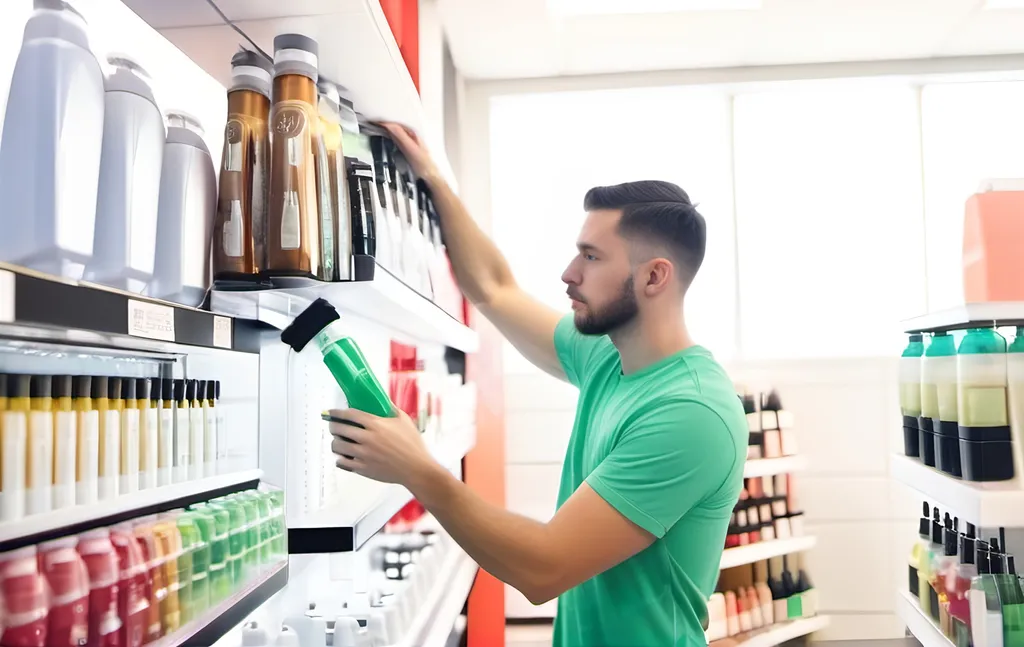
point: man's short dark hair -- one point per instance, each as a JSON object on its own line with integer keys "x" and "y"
{"x": 659, "y": 213}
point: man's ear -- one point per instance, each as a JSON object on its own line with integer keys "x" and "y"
{"x": 657, "y": 275}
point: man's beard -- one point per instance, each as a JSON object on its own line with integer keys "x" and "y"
{"x": 620, "y": 312}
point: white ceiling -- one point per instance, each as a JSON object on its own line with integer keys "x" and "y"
{"x": 494, "y": 39}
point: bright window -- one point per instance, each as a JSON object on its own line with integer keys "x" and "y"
{"x": 548, "y": 149}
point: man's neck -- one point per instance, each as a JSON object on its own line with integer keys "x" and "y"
{"x": 645, "y": 342}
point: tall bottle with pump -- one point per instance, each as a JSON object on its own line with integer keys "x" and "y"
{"x": 910, "y": 394}
{"x": 293, "y": 221}
{"x": 938, "y": 401}
{"x": 50, "y": 148}
{"x": 188, "y": 202}
{"x": 240, "y": 231}
{"x": 333, "y": 164}
{"x": 986, "y": 450}
{"x": 126, "y": 211}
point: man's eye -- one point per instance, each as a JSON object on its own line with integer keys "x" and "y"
{"x": 590, "y": 257}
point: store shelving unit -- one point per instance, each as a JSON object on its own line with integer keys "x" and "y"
{"x": 765, "y": 550}
{"x": 983, "y": 504}
{"x": 919, "y": 624}
{"x": 436, "y": 617}
{"x": 772, "y": 466}
{"x": 41, "y": 527}
{"x": 778, "y": 634}
{"x": 1007, "y": 313}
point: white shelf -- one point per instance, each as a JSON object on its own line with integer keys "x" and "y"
{"x": 437, "y": 615}
{"x": 918, "y": 623}
{"x": 783, "y": 632}
{"x": 102, "y": 513}
{"x": 770, "y": 466}
{"x": 983, "y": 504}
{"x": 764, "y": 550}
{"x": 357, "y": 49}
{"x": 351, "y": 522}
{"x": 385, "y": 300}
{"x": 981, "y": 314}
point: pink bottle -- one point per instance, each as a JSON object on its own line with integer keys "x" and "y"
{"x": 101, "y": 561}
{"x": 69, "y": 593}
{"x": 24, "y": 595}
{"x": 133, "y": 586}
{"x": 993, "y": 238}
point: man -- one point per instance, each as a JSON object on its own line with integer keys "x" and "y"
{"x": 655, "y": 461}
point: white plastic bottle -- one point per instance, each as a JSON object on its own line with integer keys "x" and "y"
{"x": 133, "y": 151}
{"x": 188, "y": 204}
{"x": 50, "y": 149}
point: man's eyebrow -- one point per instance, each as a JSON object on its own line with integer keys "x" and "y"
{"x": 587, "y": 247}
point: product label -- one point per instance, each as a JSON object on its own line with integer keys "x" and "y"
{"x": 88, "y": 469}
{"x": 182, "y": 450}
{"x": 150, "y": 320}
{"x": 222, "y": 332}
{"x": 221, "y": 437}
{"x": 129, "y": 468}
{"x": 64, "y": 452}
{"x": 210, "y": 434}
{"x": 6, "y": 296}
{"x": 15, "y": 451}
{"x": 232, "y": 232}
{"x": 165, "y": 441}
{"x": 110, "y": 445}
{"x": 40, "y": 449}
{"x": 196, "y": 436}
{"x": 149, "y": 450}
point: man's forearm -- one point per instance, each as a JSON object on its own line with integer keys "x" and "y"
{"x": 478, "y": 265}
{"x": 509, "y": 546}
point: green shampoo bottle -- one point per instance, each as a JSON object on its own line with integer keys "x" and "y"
{"x": 342, "y": 357}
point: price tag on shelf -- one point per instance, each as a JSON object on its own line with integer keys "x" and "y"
{"x": 222, "y": 332}
{"x": 150, "y": 320}
{"x": 6, "y": 296}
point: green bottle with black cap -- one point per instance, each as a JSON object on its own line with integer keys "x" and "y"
{"x": 342, "y": 356}
{"x": 983, "y": 418}
{"x": 910, "y": 394}
{"x": 938, "y": 403}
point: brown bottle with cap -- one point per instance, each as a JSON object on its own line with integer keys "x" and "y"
{"x": 293, "y": 220}
{"x": 239, "y": 234}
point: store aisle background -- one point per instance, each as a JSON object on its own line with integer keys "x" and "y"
{"x": 835, "y": 211}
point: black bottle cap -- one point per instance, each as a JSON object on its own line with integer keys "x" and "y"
{"x": 3, "y": 385}
{"x": 190, "y": 390}
{"x": 788, "y": 585}
{"x": 142, "y": 388}
{"x": 216, "y": 390}
{"x": 19, "y": 386}
{"x": 42, "y": 386}
{"x": 936, "y": 527}
{"x": 995, "y": 557}
{"x": 114, "y": 388}
{"x": 924, "y": 526}
{"x": 950, "y": 538}
{"x": 749, "y": 406}
{"x": 62, "y": 386}
{"x": 983, "y": 559}
{"x": 128, "y": 388}
{"x": 1011, "y": 568}
{"x": 201, "y": 390}
{"x": 99, "y": 386}
{"x": 166, "y": 389}
{"x": 916, "y": 337}
{"x": 179, "y": 390}
{"x": 967, "y": 547}
{"x": 771, "y": 402}
{"x": 308, "y": 324}
{"x": 83, "y": 386}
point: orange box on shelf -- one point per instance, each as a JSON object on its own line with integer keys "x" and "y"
{"x": 993, "y": 242}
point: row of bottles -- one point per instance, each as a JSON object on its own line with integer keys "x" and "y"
{"x": 772, "y": 433}
{"x": 963, "y": 405}
{"x": 968, "y": 586}
{"x": 767, "y": 510}
{"x": 139, "y": 581}
{"x": 75, "y": 440}
{"x": 94, "y": 175}
{"x": 756, "y": 597}
{"x": 307, "y": 187}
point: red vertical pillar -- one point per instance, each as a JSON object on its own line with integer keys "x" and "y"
{"x": 404, "y": 19}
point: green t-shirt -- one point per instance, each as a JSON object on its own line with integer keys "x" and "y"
{"x": 665, "y": 446}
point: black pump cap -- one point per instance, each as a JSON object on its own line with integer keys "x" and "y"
{"x": 114, "y": 388}
{"x": 308, "y": 324}
{"x": 216, "y": 390}
{"x": 128, "y": 388}
{"x": 190, "y": 390}
{"x": 83, "y": 386}
{"x": 166, "y": 389}
{"x": 99, "y": 386}
{"x": 201, "y": 390}
{"x": 984, "y": 563}
{"x": 179, "y": 390}
{"x": 950, "y": 538}
{"x": 995, "y": 558}
{"x": 62, "y": 386}
{"x": 142, "y": 388}
{"x": 967, "y": 547}
{"x": 916, "y": 337}
{"x": 296, "y": 41}
{"x": 42, "y": 386}
{"x": 3, "y": 385}
{"x": 771, "y": 401}
{"x": 924, "y": 526}
{"x": 249, "y": 58}
{"x": 19, "y": 386}
{"x": 936, "y": 528}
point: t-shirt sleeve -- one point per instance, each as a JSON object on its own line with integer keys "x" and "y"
{"x": 577, "y": 351}
{"x": 665, "y": 463}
